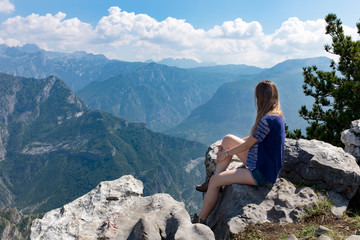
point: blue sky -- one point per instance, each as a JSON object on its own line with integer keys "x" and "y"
{"x": 253, "y": 32}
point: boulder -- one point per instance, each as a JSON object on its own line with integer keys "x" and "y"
{"x": 241, "y": 205}
{"x": 311, "y": 163}
{"x": 117, "y": 210}
{"x": 351, "y": 139}
{"x": 320, "y": 164}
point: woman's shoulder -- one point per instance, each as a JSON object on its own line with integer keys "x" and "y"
{"x": 273, "y": 118}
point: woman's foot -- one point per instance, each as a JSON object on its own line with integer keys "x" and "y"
{"x": 203, "y": 187}
{"x": 196, "y": 219}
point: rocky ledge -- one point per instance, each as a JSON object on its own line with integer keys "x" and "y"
{"x": 117, "y": 209}
{"x": 351, "y": 139}
{"x": 312, "y": 163}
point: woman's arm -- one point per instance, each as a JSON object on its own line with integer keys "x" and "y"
{"x": 250, "y": 141}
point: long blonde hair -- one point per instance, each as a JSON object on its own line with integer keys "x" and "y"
{"x": 267, "y": 101}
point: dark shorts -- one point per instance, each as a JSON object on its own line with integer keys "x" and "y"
{"x": 259, "y": 178}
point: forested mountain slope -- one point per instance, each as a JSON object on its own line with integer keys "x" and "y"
{"x": 53, "y": 149}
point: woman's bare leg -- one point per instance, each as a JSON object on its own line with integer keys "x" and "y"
{"x": 222, "y": 177}
{"x": 240, "y": 176}
{"x": 228, "y": 142}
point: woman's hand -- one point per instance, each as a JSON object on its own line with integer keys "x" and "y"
{"x": 221, "y": 155}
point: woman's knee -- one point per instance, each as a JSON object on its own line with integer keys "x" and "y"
{"x": 230, "y": 141}
{"x": 214, "y": 181}
{"x": 229, "y": 137}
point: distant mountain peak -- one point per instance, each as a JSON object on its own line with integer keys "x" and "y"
{"x": 184, "y": 63}
{"x": 31, "y": 48}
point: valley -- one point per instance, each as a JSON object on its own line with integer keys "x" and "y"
{"x": 80, "y": 118}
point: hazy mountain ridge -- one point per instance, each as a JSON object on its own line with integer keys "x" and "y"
{"x": 163, "y": 97}
{"x": 232, "y": 107}
{"x": 183, "y": 63}
{"x": 55, "y": 149}
{"x": 76, "y": 69}
{"x": 171, "y": 92}
{"x": 159, "y": 95}
{"x": 154, "y": 94}
{"x": 241, "y": 69}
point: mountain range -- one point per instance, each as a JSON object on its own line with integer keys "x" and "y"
{"x": 182, "y": 63}
{"x": 53, "y": 149}
{"x": 232, "y": 108}
{"x": 71, "y": 120}
{"x": 76, "y": 69}
{"x": 176, "y": 101}
{"x": 158, "y": 95}
{"x": 201, "y": 103}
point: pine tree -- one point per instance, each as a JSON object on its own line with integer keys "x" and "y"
{"x": 336, "y": 93}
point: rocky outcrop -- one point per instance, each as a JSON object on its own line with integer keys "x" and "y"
{"x": 351, "y": 139}
{"x": 241, "y": 205}
{"x": 117, "y": 210}
{"x": 322, "y": 165}
{"x": 7, "y": 102}
{"x": 21, "y": 103}
{"x": 305, "y": 162}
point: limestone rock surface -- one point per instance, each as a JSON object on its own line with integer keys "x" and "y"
{"x": 117, "y": 210}
{"x": 312, "y": 162}
{"x": 241, "y": 205}
{"x": 321, "y": 164}
{"x": 351, "y": 139}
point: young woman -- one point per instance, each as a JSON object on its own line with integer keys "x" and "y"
{"x": 261, "y": 152}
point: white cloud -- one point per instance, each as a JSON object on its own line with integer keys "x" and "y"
{"x": 237, "y": 29}
{"x": 139, "y": 37}
{"x": 6, "y": 6}
{"x": 51, "y": 32}
{"x": 141, "y": 27}
{"x": 297, "y": 39}
{"x": 353, "y": 32}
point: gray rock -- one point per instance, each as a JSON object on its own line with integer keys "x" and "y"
{"x": 324, "y": 237}
{"x": 319, "y": 163}
{"x": 240, "y": 205}
{"x": 353, "y": 237}
{"x": 312, "y": 162}
{"x": 351, "y": 139}
{"x": 322, "y": 230}
{"x": 292, "y": 237}
{"x": 117, "y": 210}
{"x": 210, "y": 159}
{"x": 340, "y": 203}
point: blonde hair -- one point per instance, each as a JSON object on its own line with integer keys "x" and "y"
{"x": 267, "y": 101}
